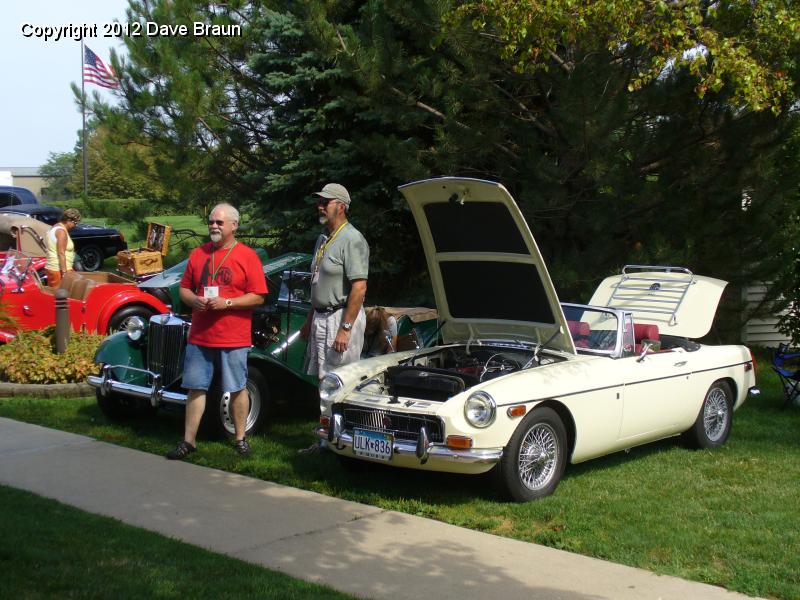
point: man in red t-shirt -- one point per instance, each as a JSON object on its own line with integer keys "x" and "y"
{"x": 224, "y": 280}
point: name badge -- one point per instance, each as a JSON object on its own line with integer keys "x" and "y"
{"x": 211, "y": 291}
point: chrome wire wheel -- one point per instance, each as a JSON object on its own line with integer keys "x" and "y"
{"x": 716, "y": 414}
{"x": 538, "y": 456}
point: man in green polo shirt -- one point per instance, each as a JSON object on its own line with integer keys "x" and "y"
{"x": 335, "y": 328}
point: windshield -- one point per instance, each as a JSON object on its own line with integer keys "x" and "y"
{"x": 15, "y": 266}
{"x": 593, "y": 330}
{"x": 299, "y": 283}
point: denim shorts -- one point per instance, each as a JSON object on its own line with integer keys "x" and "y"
{"x": 202, "y": 362}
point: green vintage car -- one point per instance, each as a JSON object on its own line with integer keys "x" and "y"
{"x": 142, "y": 367}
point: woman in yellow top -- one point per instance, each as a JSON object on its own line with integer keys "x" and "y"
{"x": 60, "y": 249}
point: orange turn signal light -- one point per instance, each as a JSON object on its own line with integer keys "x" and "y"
{"x": 458, "y": 441}
{"x": 517, "y": 411}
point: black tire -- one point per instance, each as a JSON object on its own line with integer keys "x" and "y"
{"x": 119, "y": 319}
{"x": 217, "y": 419}
{"x": 535, "y": 458}
{"x": 91, "y": 257}
{"x": 122, "y": 408}
{"x": 713, "y": 424}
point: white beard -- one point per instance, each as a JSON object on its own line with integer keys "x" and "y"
{"x": 215, "y": 236}
{"x": 323, "y": 219}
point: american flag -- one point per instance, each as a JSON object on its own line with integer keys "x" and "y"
{"x": 97, "y": 72}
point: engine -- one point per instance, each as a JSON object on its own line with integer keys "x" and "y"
{"x": 443, "y": 374}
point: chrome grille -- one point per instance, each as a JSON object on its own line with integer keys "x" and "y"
{"x": 402, "y": 425}
{"x": 166, "y": 346}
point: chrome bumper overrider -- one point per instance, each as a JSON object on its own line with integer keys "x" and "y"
{"x": 155, "y": 393}
{"x": 754, "y": 392}
{"x": 423, "y": 449}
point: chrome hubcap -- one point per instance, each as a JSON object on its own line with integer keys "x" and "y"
{"x": 715, "y": 414}
{"x": 252, "y": 415}
{"x": 538, "y": 456}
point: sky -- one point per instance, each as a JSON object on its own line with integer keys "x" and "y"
{"x": 38, "y": 113}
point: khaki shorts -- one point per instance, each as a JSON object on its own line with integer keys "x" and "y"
{"x": 320, "y": 355}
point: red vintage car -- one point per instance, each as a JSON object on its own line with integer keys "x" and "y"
{"x": 99, "y": 302}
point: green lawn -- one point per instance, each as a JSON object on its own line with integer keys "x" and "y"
{"x": 192, "y": 222}
{"x": 729, "y": 517}
{"x": 181, "y": 243}
{"x": 107, "y": 559}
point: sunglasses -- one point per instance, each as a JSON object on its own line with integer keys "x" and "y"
{"x": 325, "y": 201}
{"x": 217, "y": 222}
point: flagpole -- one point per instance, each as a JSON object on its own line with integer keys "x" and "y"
{"x": 83, "y": 111}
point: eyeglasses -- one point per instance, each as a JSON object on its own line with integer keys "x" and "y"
{"x": 218, "y": 222}
{"x": 324, "y": 201}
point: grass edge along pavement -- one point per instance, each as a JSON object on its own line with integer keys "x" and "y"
{"x": 729, "y": 517}
{"x": 109, "y": 559}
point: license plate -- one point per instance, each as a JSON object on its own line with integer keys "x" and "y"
{"x": 372, "y": 444}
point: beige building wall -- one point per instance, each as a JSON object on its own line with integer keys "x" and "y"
{"x": 28, "y": 177}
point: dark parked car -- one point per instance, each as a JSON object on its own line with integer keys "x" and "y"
{"x": 93, "y": 244}
{"x": 12, "y": 196}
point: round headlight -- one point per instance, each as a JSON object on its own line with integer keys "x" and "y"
{"x": 480, "y": 409}
{"x": 329, "y": 386}
{"x": 135, "y": 328}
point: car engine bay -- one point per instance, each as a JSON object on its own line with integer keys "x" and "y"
{"x": 448, "y": 371}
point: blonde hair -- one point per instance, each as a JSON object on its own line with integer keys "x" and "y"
{"x": 377, "y": 320}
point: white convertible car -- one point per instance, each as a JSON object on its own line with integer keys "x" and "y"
{"x": 525, "y": 384}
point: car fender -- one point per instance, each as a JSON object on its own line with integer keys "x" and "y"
{"x": 273, "y": 367}
{"x": 119, "y": 349}
{"x": 127, "y": 298}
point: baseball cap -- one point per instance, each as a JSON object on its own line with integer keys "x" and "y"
{"x": 335, "y": 191}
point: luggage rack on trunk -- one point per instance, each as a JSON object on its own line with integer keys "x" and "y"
{"x": 638, "y": 291}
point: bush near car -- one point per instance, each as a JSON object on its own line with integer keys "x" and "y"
{"x": 31, "y": 358}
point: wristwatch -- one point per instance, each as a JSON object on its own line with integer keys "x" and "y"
{"x": 228, "y": 302}
{"x": 347, "y": 326}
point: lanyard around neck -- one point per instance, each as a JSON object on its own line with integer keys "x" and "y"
{"x": 324, "y": 245}
{"x": 215, "y": 271}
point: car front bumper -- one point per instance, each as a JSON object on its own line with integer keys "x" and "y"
{"x": 421, "y": 454}
{"x": 155, "y": 392}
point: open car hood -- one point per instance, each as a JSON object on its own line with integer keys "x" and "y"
{"x": 678, "y": 301}
{"x": 488, "y": 276}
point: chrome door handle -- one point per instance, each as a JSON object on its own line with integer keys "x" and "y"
{"x": 680, "y": 364}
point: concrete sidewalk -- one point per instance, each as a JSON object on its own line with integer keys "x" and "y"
{"x": 354, "y": 548}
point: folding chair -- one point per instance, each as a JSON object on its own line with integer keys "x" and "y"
{"x": 786, "y": 363}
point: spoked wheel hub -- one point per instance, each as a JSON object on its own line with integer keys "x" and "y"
{"x": 715, "y": 414}
{"x": 538, "y": 456}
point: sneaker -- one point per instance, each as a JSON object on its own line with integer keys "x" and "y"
{"x": 312, "y": 449}
{"x": 320, "y": 447}
{"x": 181, "y": 451}
{"x": 242, "y": 447}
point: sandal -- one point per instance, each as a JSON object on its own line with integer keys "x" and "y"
{"x": 181, "y": 451}
{"x": 242, "y": 447}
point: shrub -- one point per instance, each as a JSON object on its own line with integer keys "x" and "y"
{"x": 31, "y": 358}
{"x": 76, "y": 203}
